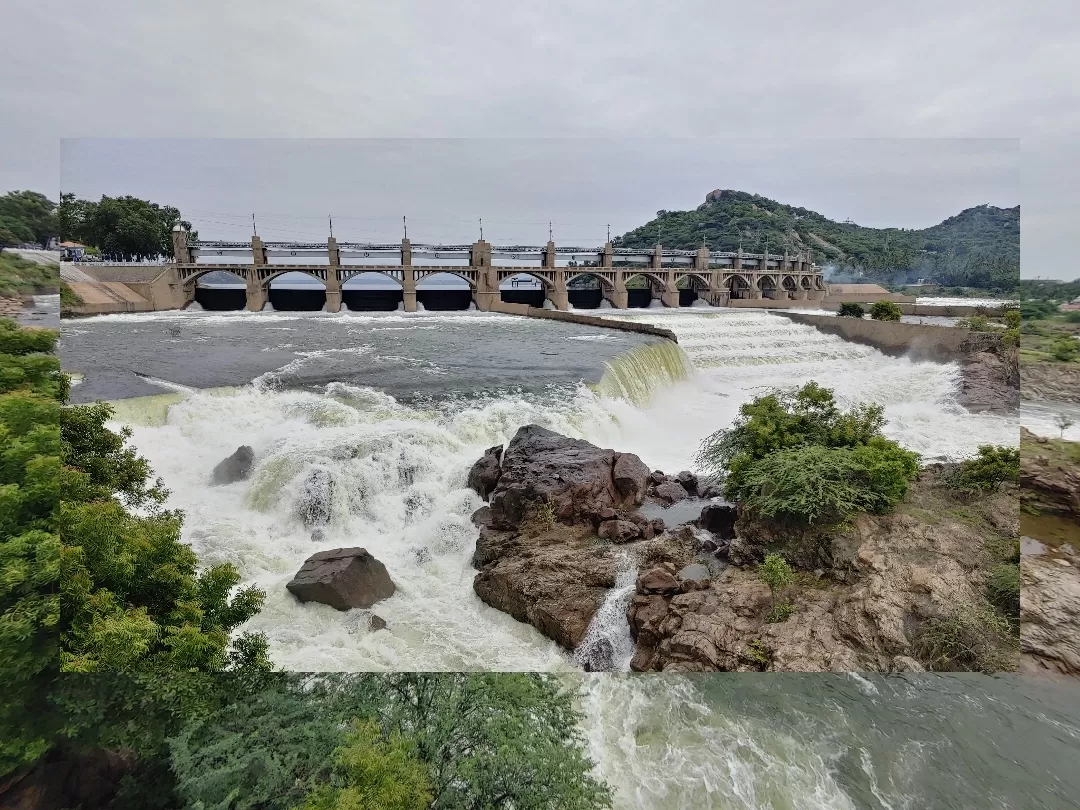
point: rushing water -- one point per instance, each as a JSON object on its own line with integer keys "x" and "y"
{"x": 392, "y": 409}
{"x": 386, "y": 413}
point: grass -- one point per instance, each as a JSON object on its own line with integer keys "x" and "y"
{"x": 19, "y": 276}
{"x": 970, "y": 638}
{"x": 68, "y": 297}
{"x": 780, "y": 612}
{"x": 1041, "y": 339}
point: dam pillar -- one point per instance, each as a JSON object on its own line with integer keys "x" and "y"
{"x": 181, "y": 251}
{"x": 256, "y": 292}
{"x": 557, "y": 294}
{"x": 614, "y": 293}
{"x": 333, "y": 277}
{"x": 408, "y": 277}
{"x": 486, "y": 291}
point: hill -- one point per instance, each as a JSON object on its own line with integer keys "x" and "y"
{"x": 979, "y": 247}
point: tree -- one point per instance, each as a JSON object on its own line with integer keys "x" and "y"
{"x": 1065, "y": 349}
{"x": 885, "y": 311}
{"x": 30, "y": 216}
{"x": 125, "y": 228}
{"x": 850, "y": 310}
{"x": 1063, "y": 422}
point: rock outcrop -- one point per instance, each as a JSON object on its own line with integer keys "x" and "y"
{"x": 1047, "y": 476}
{"x": 485, "y": 473}
{"x": 236, "y": 467}
{"x": 343, "y": 578}
{"x": 1050, "y": 615}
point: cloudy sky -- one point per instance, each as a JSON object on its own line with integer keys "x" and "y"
{"x": 615, "y": 70}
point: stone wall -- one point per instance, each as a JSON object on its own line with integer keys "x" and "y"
{"x": 943, "y": 344}
{"x": 585, "y": 320}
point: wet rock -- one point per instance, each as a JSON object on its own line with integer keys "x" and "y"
{"x": 670, "y": 492}
{"x": 599, "y": 657}
{"x": 236, "y": 467}
{"x": 574, "y": 478}
{"x": 905, "y": 663}
{"x": 688, "y": 481}
{"x": 482, "y": 516}
{"x": 484, "y": 475}
{"x": 694, "y": 577}
{"x": 657, "y": 525}
{"x": 343, "y": 578}
{"x": 619, "y": 531}
{"x": 719, "y": 518}
{"x": 710, "y": 490}
{"x": 318, "y": 535}
{"x": 376, "y": 623}
{"x": 315, "y": 504}
{"x": 630, "y": 476}
{"x": 708, "y": 546}
{"x": 657, "y": 581}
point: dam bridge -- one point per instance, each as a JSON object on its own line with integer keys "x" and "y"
{"x": 584, "y": 277}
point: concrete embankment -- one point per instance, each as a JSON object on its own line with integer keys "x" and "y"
{"x": 991, "y": 370}
{"x": 584, "y": 320}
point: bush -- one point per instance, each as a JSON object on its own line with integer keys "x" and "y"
{"x": 1003, "y": 589}
{"x": 68, "y": 297}
{"x": 851, "y": 310}
{"x": 1065, "y": 349}
{"x": 780, "y": 612}
{"x": 991, "y": 467}
{"x": 1072, "y": 316}
{"x": 1012, "y": 318}
{"x": 776, "y": 573}
{"x": 827, "y": 485}
{"x": 885, "y": 311}
{"x": 976, "y": 323}
{"x": 971, "y": 638}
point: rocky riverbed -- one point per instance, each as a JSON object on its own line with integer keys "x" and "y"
{"x": 565, "y": 516}
{"x": 1050, "y": 565}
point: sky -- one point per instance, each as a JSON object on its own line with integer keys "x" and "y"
{"x": 618, "y": 70}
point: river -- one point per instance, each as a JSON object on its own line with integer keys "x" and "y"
{"x": 394, "y": 407}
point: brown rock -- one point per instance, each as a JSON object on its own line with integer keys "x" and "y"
{"x": 719, "y": 518}
{"x": 376, "y": 623}
{"x": 619, "y": 531}
{"x": 342, "y": 578}
{"x": 670, "y": 492}
{"x": 657, "y": 580}
{"x": 631, "y": 477}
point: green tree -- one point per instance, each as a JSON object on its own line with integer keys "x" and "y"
{"x": 377, "y": 774}
{"x": 885, "y": 311}
{"x": 30, "y": 216}
{"x": 850, "y": 310}
{"x": 1065, "y": 349}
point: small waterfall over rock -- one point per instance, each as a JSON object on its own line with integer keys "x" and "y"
{"x": 637, "y": 374}
{"x": 607, "y": 645}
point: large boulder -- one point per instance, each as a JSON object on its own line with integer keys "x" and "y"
{"x": 236, "y": 467}
{"x": 574, "y": 478}
{"x": 670, "y": 492}
{"x": 343, "y": 578}
{"x": 484, "y": 474}
{"x": 719, "y": 518}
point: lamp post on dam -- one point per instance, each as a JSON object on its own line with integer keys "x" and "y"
{"x": 719, "y": 278}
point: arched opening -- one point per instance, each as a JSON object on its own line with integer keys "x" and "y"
{"x": 768, "y": 288}
{"x": 639, "y": 291}
{"x": 790, "y": 287}
{"x": 690, "y": 288}
{"x": 296, "y": 292}
{"x": 524, "y": 288}
{"x": 443, "y": 291}
{"x": 585, "y": 291}
{"x": 805, "y": 283}
{"x": 372, "y": 292}
{"x": 738, "y": 288}
{"x": 220, "y": 290}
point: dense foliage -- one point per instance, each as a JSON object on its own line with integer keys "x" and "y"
{"x": 992, "y": 466}
{"x": 484, "y": 741}
{"x": 120, "y": 592}
{"x": 979, "y": 247}
{"x": 796, "y": 456}
{"x": 886, "y": 311}
{"x": 851, "y": 310}
{"x": 27, "y": 217}
{"x": 123, "y": 228}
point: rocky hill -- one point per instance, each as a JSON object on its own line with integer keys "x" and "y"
{"x": 979, "y": 247}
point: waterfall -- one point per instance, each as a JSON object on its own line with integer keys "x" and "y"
{"x": 607, "y": 646}
{"x": 637, "y": 374}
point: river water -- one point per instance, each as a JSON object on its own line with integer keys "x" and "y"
{"x": 393, "y": 408}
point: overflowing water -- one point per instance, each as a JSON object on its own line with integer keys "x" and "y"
{"x": 364, "y": 427}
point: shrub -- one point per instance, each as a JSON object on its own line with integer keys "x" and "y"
{"x": 1072, "y": 316}
{"x": 826, "y": 485}
{"x": 1012, "y": 318}
{"x": 991, "y": 467}
{"x": 1003, "y": 589}
{"x": 969, "y": 638}
{"x": 885, "y": 311}
{"x": 851, "y": 310}
{"x": 1065, "y": 349}
{"x": 776, "y": 573}
{"x": 757, "y": 653}
{"x": 780, "y": 612}
{"x": 976, "y": 323}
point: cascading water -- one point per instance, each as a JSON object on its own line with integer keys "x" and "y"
{"x": 607, "y": 645}
{"x": 365, "y": 469}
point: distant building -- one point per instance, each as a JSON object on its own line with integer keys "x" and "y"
{"x": 71, "y": 251}
{"x": 1072, "y": 306}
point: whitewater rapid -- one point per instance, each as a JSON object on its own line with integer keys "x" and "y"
{"x": 398, "y": 471}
